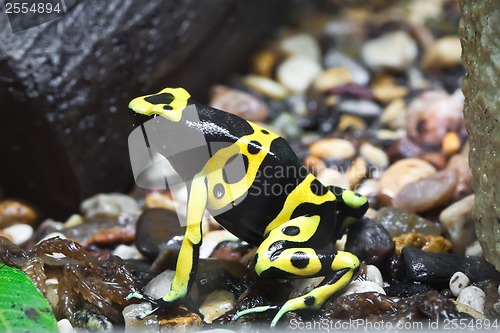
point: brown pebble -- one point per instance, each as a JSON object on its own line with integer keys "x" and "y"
{"x": 451, "y": 143}
{"x": 179, "y": 319}
{"x": 403, "y": 148}
{"x": 264, "y": 62}
{"x": 428, "y": 243}
{"x": 348, "y": 122}
{"x": 427, "y": 193}
{"x": 436, "y": 159}
{"x": 332, "y": 78}
{"x": 238, "y": 103}
{"x": 385, "y": 93}
{"x": 334, "y": 149}
{"x": 402, "y": 173}
{"x": 460, "y": 164}
{"x": 16, "y": 212}
{"x": 314, "y": 164}
{"x": 357, "y": 171}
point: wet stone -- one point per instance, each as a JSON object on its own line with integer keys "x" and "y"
{"x": 406, "y": 289}
{"x": 436, "y": 269}
{"x": 403, "y": 148}
{"x": 402, "y": 173}
{"x": 15, "y": 212}
{"x": 179, "y": 320}
{"x": 369, "y": 241}
{"x": 332, "y": 148}
{"x": 109, "y": 205}
{"x": 239, "y": 103}
{"x": 443, "y": 53}
{"x": 427, "y": 193}
{"x": 428, "y": 243}
{"x": 397, "y": 222}
{"x": 297, "y": 73}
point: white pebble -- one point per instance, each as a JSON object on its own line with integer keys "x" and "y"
{"x": 216, "y": 304}
{"x": 112, "y": 204}
{"x": 301, "y": 45}
{"x": 474, "y": 250}
{"x": 265, "y": 86}
{"x": 19, "y": 233}
{"x": 374, "y": 155}
{"x": 357, "y": 287}
{"x": 65, "y": 326}
{"x": 297, "y": 73}
{"x": 458, "y": 282}
{"x": 395, "y": 51}
{"x": 127, "y": 252}
{"x": 132, "y": 324}
{"x": 160, "y": 285}
{"x": 373, "y": 274}
{"x": 473, "y": 297}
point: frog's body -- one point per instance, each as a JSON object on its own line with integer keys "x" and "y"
{"x": 252, "y": 182}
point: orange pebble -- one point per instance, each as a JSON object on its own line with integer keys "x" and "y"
{"x": 451, "y": 143}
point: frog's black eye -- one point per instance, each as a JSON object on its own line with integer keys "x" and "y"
{"x": 163, "y": 98}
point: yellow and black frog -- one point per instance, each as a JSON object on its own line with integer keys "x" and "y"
{"x": 254, "y": 185}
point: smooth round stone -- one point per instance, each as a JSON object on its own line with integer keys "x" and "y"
{"x": 374, "y": 155}
{"x": 64, "y": 326}
{"x": 427, "y": 193}
{"x": 239, "y": 103}
{"x": 216, "y": 304}
{"x": 358, "y": 287}
{"x": 460, "y": 163}
{"x": 433, "y": 114}
{"x": 16, "y": 212}
{"x": 373, "y": 274}
{"x": 331, "y": 78}
{"x": 369, "y": 241}
{"x": 357, "y": 171}
{"x": 132, "y": 324}
{"x": 127, "y": 252}
{"x": 333, "y": 149}
{"x": 361, "y": 108}
{"x": 446, "y": 52}
{"x": 392, "y": 51}
{"x": 263, "y": 62}
{"x": 350, "y": 122}
{"x": 303, "y": 45}
{"x": 394, "y": 114}
{"x": 297, "y": 73}
{"x": 457, "y": 223}
{"x": 266, "y": 86}
{"x": 458, "y": 282}
{"x": 402, "y": 173}
{"x": 19, "y": 233}
{"x": 73, "y": 221}
{"x": 451, "y": 143}
{"x": 159, "y": 286}
{"x": 109, "y": 205}
{"x": 398, "y": 222}
{"x": 474, "y": 297}
{"x": 359, "y": 74}
{"x": 333, "y": 177}
{"x": 387, "y": 92}
{"x": 474, "y": 250}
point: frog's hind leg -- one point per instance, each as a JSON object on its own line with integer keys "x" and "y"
{"x": 289, "y": 252}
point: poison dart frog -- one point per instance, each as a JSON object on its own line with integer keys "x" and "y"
{"x": 230, "y": 165}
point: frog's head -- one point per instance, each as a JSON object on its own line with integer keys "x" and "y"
{"x": 168, "y": 103}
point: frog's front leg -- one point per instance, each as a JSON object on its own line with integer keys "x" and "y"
{"x": 187, "y": 261}
{"x": 290, "y": 251}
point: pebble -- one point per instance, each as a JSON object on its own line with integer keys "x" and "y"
{"x": 303, "y": 45}
{"x": 109, "y": 205}
{"x": 266, "y": 86}
{"x": 451, "y": 143}
{"x": 433, "y": 114}
{"x": 402, "y": 173}
{"x": 405, "y": 289}
{"x": 357, "y": 287}
{"x": 212, "y": 239}
{"x": 157, "y": 199}
{"x": 369, "y": 241}
{"x": 16, "y": 212}
{"x": 159, "y": 286}
{"x": 428, "y": 243}
{"x": 458, "y": 282}
{"x": 127, "y": 252}
{"x": 180, "y": 320}
{"x": 333, "y": 149}
{"x": 297, "y": 73}
{"x": 474, "y": 250}
{"x": 263, "y": 63}
{"x": 331, "y": 78}
{"x": 438, "y": 160}
{"x": 387, "y": 92}
{"x": 216, "y": 304}
{"x": 403, "y": 148}
{"x": 359, "y": 74}
{"x": 64, "y": 326}
{"x": 427, "y": 193}
{"x": 239, "y": 103}
{"x": 460, "y": 163}
{"x": 472, "y": 296}
{"x": 394, "y": 114}
{"x": 392, "y": 51}
{"x": 374, "y": 155}
{"x": 357, "y": 171}
{"x": 303, "y": 286}
{"x": 314, "y": 164}
{"x": 398, "y": 222}
{"x": 349, "y": 122}
{"x": 445, "y": 52}
{"x": 19, "y": 233}
{"x": 373, "y": 274}
{"x": 370, "y": 188}
{"x": 287, "y": 126}
{"x": 436, "y": 269}
{"x": 73, "y": 221}
{"x": 457, "y": 223}
{"x": 333, "y": 177}
{"x": 361, "y": 108}
{"x": 132, "y": 324}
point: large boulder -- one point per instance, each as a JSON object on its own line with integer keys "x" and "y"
{"x": 480, "y": 31}
{"x": 65, "y": 85}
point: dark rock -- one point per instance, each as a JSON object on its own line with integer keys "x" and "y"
{"x": 403, "y": 148}
{"x": 65, "y": 86}
{"x": 398, "y": 221}
{"x": 158, "y": 230}
{"x": 406, "y": 289}
{"x": 436, "y": 269}
{"x": 369, "y": 241}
